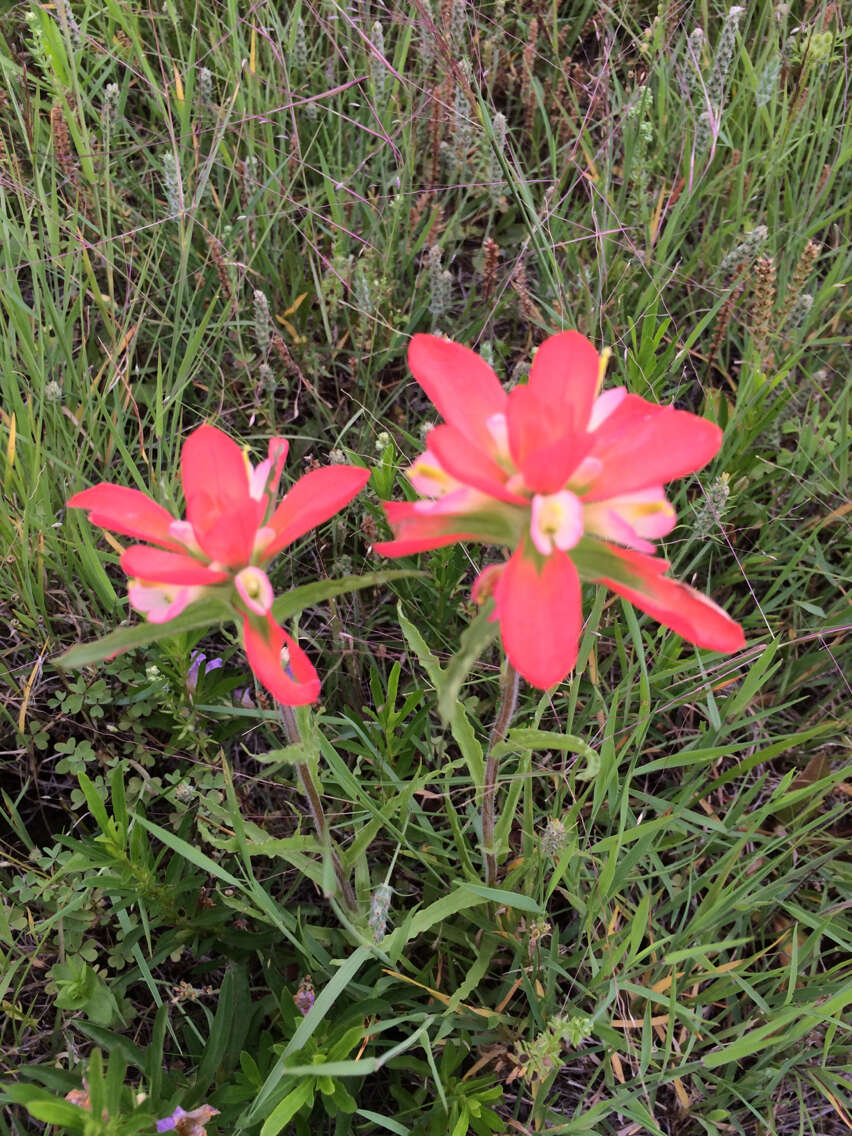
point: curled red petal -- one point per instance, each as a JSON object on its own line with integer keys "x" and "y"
{"x": 126, "y": 511}
{"x": 540, "y": 612}
{"x": 313, "y": 499}
{"x": 215, "y": 476}
{"x": 276, "y": 456}
{"x": 463, "y": 387}
{"x": 642, "y": 445}
{"x": 564, "y": 376}
{"x": 485, "y": 583}
{"x": 683, "y": 609}
{"x": 294, "y": 681}
{"x": 157, "y": 566}
{"x": 470, "y": 465}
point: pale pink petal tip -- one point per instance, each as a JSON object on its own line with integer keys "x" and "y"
{"x": 159, "y": 602}
{"x": 556, "y": 521}
{"x": 254, "y": 589}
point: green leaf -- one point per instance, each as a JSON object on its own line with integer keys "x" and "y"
{"x": 205, "y": 613}
{"x": 478, "y": 634}
{"x": 785, "y": 1028}
{"x": 285, "y": 1110}
{"x": 41, "y": 1105}
{"x": 220, "y": 1032}
{"x": 384, "y": 1122}
{"x": 457, "y": 900}
{"x": 96, "y": 805}
{"x": 308, "y": 595}
{"x": 460, "y": 726}
{"x": 321, "y": 1007}
{"x": 549, "y": 739}
{"x": 506, "y": 898}
{"x": 188, "y": 852}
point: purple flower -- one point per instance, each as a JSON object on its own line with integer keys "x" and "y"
{"x": 187, "y": 1123}
{"x": 197, "y": 658}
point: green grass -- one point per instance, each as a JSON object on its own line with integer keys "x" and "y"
{"x": 675, "y": 958}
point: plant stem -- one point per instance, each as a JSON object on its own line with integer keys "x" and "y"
{"x": 505, "y": 709}
{"x": 309, "y": 788}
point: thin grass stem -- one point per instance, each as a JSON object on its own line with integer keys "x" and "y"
{"x": 312, "y": 796}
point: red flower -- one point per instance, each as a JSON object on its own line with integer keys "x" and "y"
{"x": 233, "y": 529}
{"x": 567, "y": 477}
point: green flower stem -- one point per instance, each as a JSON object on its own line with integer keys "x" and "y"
{"x": 309, "y": 788}
{"x": 506, "y": 708}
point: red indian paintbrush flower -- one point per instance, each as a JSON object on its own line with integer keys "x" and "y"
{"x": 567, "y": 477}
{"x": 232, "y": 530}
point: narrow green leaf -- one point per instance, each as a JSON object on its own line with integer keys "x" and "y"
{"x": 309, "y": 595}
{"x": 384, "y": 1122}
{"x": 286, "y": 1109}
{"x": 507, "y": 898}
{"x": 220, "y": 1031}
{"x": 96, "y": 805}
{"x": 317, "y": 1014}
{"x": 188, "y": 852}
{"x": 205, "y": 613}
{"x": 478, "y": 634}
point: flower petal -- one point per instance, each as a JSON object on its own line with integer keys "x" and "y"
{"x": 464, "y": 389}
{"x": 546, "y": 448}
{"x": 215, "y": 476}
{"x": 313, "y": 499}
{"x": 539, "y": 608}
{"x": 264, "y": 478}
{"x": 156, "y": 566}
{"x": 230, "y": 538}
{"x": 564, "y": 376}
{"x": 126, "y": 511}
{"x": 468, "y": 464}
{"x": 641, "y": 445}
{"x": 419, "y": 532}
{"x": 633, "y": 520}
{"x": 688, "y": 612}
{"x": 485, "y": 583}
{"x": 295, "y": 682}
{"x": 254, "y": 589}
{"x": 160, "y": 603}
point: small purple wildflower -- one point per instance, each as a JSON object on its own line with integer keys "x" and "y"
{"x": 188, "y": 1123}
{"x": 305, "y": 995}
{"x": 192, "y": 675}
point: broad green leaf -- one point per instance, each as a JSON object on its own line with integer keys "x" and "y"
{"x": 443, "y": 908}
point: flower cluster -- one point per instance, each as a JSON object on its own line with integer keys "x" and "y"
{"x": 233, "y": 529}
{"x": 568, "y": 478}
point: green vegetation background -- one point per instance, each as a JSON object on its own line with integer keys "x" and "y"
{"x": 239, "y": 213}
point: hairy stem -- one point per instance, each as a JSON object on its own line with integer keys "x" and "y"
{"x": 309, "y": 788}
{"x": 505, "y": 709}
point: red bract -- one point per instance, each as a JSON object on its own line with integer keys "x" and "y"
{"x": 568, "y": 478}
{"x": 233, "y": 529}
